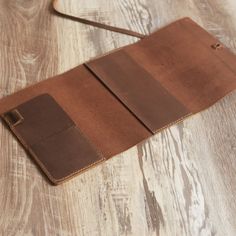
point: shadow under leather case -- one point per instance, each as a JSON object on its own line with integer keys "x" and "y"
{"x": 85, "y": 116}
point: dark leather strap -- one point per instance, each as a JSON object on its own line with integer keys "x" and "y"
{"x": 96, "y": 24}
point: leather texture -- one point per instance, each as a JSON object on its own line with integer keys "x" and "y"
{"x": 52, "y": 138}
{"x": 173, "y": 73}
{"x": 85, "y": 116}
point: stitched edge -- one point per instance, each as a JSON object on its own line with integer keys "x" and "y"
{"x": 174, "y": 122}
{"x": 63, "y": 179}
{"x": 44, "y": 168}
{"x": 159, "y": 130}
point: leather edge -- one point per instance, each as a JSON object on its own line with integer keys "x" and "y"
{"x": 43, "y": 168}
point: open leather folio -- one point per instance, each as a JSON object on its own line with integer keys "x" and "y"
{"x": 101, "y": 108}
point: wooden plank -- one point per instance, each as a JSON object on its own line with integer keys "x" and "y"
{"x": 179, "y": 182}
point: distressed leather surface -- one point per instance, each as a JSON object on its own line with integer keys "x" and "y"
{"x": 170, "y": 74}
{"x": 52, "y": 138}
{"x": 116, "y": 101}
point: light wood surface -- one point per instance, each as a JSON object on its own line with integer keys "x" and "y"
{"x": 180, "y": 182}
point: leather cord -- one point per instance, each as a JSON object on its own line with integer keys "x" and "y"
{"x": 96, "y": 24}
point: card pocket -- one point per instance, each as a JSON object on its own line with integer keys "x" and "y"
{"x": 52, "y": 138}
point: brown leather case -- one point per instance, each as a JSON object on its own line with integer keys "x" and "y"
{"x": 85, "y": 116}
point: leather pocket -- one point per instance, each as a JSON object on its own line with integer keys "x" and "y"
{"x": 52, "y": 138}
{"x": 142, "y": 94}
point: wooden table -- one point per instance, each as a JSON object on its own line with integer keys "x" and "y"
{"x": 180, "y": 182}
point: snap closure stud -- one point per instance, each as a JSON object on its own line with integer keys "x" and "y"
{"x": 217, "y": 46}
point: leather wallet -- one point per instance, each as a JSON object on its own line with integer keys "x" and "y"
{"x": 103, "y": 107}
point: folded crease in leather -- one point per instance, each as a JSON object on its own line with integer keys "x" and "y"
{"x": 103, "y": 107}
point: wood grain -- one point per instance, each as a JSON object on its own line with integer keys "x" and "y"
{"x": 179, "y": 182}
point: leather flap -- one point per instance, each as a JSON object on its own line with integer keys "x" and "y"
{"x": 173, "y": 73}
